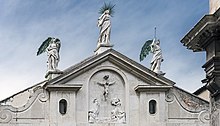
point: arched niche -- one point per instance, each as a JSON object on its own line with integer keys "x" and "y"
{"x": 105, "y": 86}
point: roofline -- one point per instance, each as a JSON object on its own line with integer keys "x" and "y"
{"x": 45, "y": 81}
{"x": 93, "y": 59}
{"x": 200, "y": 90}
{"x": 190, "y": 39}
{"x": 191, "y": 94}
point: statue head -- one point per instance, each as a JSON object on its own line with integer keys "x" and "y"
{"x": 116, "y": 102}
{"x": 53, "y": 40}
{"x": 106, "y": 77}
{"x": 107, "y": 11}
{"x": 95, "y": 100}
{"x": 158, "y": 42}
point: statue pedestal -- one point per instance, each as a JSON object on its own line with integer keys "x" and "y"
{"x": 52, "y": 74}
{"x": 160, "y": 73}
{"x": 102, "y": 48}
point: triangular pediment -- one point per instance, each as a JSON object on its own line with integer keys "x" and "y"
{"x": 118, "y": 59}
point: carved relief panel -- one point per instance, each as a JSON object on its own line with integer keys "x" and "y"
{"x": 106, "y": 97}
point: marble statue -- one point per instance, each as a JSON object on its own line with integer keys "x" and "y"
{"x": 52, "y": 47}
{"x": 157, "y": 56}
{"x": 106, "y": 85}
{"x": 117, "y": 114}
{"x": 153, "y": 46}
{"x": 104, "y": 24}
{"x": 94, "y": 111}
{"x": 53, "y": 54}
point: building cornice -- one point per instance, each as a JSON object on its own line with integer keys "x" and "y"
{"x": 207, "y": 28}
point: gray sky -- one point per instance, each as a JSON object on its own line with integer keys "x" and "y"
{"x": 25, "y": 24}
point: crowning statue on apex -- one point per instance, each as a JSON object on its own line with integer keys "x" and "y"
{"x": 153, "y": 46}
{"x": 104, "y": 23}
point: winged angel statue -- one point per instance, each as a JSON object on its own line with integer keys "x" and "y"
{"x": 52, "y": 47}
{"x": 153, "y": 46}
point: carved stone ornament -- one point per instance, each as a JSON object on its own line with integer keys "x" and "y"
{"x": 107, "y": 95}
{"x": 5, "y": 116}
{"x": 94, "y": 111}
{"x": 204, "y": 116}
{"x": 106, "y": 86}
{"x": 117, "y": 114}
{"x": 189, "y": 102}
{"x": 7, "y": 111}
{"x": 186, "y": 101}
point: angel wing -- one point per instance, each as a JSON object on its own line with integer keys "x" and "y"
{"x": 44, "y": 45}
{"x": 145, "y": 49}
{"x": 58, "y": 44}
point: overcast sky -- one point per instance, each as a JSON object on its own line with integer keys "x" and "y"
{"x": 25, "y": 24}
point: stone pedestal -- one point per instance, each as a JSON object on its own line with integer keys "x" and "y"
{"x": 102, "y": 48}
{"x": 205, "y": 36}
{"x": 52, "y": 74}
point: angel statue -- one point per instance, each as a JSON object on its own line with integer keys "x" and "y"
{"x": 104, "y": 23}
{"x": 52, "y": 47}
{"x": 153, "y": 46}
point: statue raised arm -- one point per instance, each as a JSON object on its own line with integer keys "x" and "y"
{"x": 153, "y": 46}
{"x": 157, "y": 56}
{"x": 106, "y": 85}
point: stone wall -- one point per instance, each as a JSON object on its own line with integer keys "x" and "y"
{"x": 214, "y": 6}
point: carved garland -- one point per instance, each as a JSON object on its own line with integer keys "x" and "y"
{"x": 190, "y": 106}
{"x": 186, "y": 103}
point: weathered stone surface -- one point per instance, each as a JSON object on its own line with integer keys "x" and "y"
{"x": 214, "y": 6}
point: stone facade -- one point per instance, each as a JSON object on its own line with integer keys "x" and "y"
{"x": 105, "y": 89}
{"x": 205, "y": 36}
{"x": 203, "y": 93}
{"x": 214, "y": 6}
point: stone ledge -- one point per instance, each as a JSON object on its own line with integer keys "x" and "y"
{"x": 148, "y": 88}
{"x": 52, "y": 74}
{"x": 64, "y": 87}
